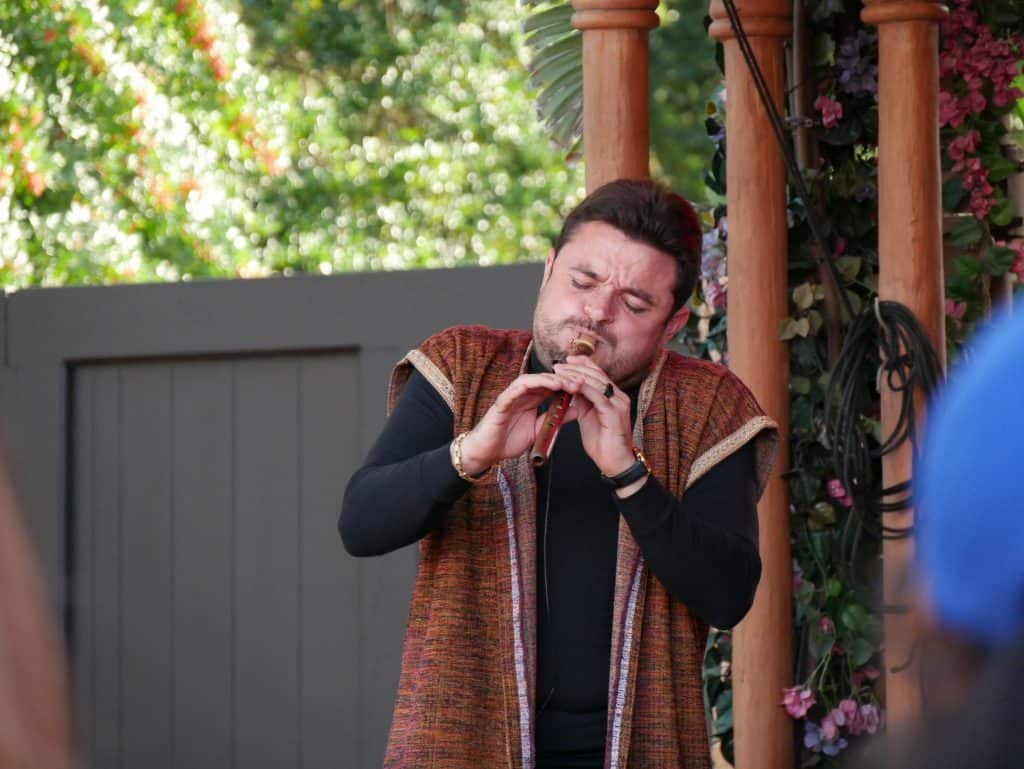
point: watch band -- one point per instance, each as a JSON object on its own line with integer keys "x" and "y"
{"x": 633, "y": 473}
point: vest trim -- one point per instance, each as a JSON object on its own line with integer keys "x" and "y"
{"x": 727, "y": 446}
{"x": 522, "y": 692}
{"x": 433, "y": 374}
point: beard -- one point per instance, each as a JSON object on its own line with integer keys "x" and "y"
{"x": 552, "y": 341}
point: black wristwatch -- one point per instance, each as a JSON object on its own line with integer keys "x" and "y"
{"x": 633, "y": 473}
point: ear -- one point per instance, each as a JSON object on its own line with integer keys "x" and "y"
{"x": 675, "y": 324}
{"x": 549, "y": 264}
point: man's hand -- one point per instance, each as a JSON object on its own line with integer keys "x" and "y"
{"x": 510, "y": 425}
{"x": 604, "y": 420}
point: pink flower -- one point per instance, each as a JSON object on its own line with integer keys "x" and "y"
{"x": 870, "y": 718}
{"x": 1018, "y": 262}
{"x": 848, "y": 714}
{"x": 955, "y": 310}
{"x": 798, "y": 575}
{"x": 837, "y": 492}
{"x": 825, "y": 625}
{"x": 797, "y": 700}
{"x": 951, "y": 112}
{"x": 829, "y": 727}
{"x": 961, "y": 146}
{"x": 831, "y": 111}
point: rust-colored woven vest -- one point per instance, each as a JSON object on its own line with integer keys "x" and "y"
{"x": 466, "y": 693}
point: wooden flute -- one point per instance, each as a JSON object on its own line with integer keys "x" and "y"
{"x": 584, "y": 344}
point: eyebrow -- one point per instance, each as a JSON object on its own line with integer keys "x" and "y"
{"x": 639, "y": 293}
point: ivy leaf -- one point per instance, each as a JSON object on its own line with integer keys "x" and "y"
{"x": 998, "y": 259}
{"x": 853, "y": 617}
{"x": 833, "y": 588}
{"x": 800, "y": 385}
{"x": 816, "y": 321}
{"x": 860, "y": 652}
{"x": 966, "y": 233}
{"x": 849, "y": 267}
{"x": 999, "y": 167}
{"x": 787, "y": 328}
{"x": 952, "y": 193}
{"x": 819, "y": 644}
{"x": 1002, "y": 212}
{"x": 723, "y": 713}
{"x": 803, "y": 296}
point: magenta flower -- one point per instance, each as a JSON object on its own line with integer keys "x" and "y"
{"x": 1018, "y": 262}
{"x": 838, "y": 492}
{"x": 955, "y": 310}
{"x": 848, "y": 714}
{"x": 831, "y": 111}
{"x": 829, "y": 727}
{"x": 825, "y": 625}
{"x": 797, "y": 700}
{"x": 798, "y": 576}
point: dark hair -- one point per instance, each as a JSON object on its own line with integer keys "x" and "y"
{"x": 650, "y": 213}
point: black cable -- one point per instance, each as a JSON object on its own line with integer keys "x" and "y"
{"x": 903, "y": 354}
{"x": 788, "y": 157}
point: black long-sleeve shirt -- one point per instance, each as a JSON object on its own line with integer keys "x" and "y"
{"x": 702, "y": 548}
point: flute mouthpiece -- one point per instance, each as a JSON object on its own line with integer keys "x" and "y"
{"x": 583, "y": 344}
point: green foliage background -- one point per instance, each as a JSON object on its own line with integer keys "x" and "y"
{"x": 146, "y": 140}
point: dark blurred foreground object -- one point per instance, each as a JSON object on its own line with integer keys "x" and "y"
{"x": 35, "y": 729}
{"x": 970, "y": 567}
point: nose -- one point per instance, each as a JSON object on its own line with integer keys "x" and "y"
{"x": 597, "y": 308}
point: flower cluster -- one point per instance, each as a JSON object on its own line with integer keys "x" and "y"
{"x": 857, "y": 72}
{"x": 714, "y": 282}
{"x": 849, "y": 718}
{"x": 977, "y": 70}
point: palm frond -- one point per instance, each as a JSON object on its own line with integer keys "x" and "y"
{"x": 556, "y": 69}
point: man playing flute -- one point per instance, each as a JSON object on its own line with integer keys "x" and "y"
{"x": 560, "y": 611}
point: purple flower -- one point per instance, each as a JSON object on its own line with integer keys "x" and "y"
{"x": 713, "y": 264}
{"x": 816, "y": 740}
{"x": 853, "y": 61}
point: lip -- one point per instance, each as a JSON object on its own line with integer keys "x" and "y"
{"x": 598, "y": 339}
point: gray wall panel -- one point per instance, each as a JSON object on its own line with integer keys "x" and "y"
{"x": 84, "y": 522}
{"x": 217, "y": 620}
{"x": 202, "y": 549}
{"x": 266, "y": 490}
{"x": 330, "y": 584}
{"x": 146, "y": 535}
{"x": 105, "y": 445}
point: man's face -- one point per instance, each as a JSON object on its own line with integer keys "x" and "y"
{"x": 617, "y": 289}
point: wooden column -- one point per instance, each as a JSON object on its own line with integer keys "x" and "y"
{"x": 910, "y": 268}
{"x": 755, "y": 179}
{"x": 615, "y": 92}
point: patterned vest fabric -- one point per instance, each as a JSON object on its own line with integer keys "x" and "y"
{"x": 466, "y": 692}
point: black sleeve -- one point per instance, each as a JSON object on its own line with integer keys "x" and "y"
{"x": 703, "y": 547}
{"x": 407, "y": 482}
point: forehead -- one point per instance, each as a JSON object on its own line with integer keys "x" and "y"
{"x": 611, "y": 254}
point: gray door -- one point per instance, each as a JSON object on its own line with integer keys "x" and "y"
{"x": 181, "y": 452}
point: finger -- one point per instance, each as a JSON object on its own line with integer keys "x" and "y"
{"x": 594, "y": 392}
{"x": 533, "y": 389}
{"x": 593, "y": 375}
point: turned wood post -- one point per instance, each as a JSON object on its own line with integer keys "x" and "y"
{"x": 910, "y": 271}
{"x": 755, "y": 180}
{"x": 615, "y": 92}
